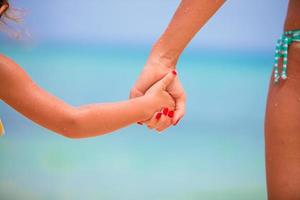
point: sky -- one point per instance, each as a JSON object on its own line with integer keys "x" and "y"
{"x": 251, "y": 24}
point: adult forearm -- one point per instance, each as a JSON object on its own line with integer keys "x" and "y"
{"x": 190, "y": 16}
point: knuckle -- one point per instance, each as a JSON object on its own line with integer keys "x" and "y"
{"x": 150, "y": 127}
{"x": 159, "y": 130}
{"x": 172, "y": 106}
{"x": 132, "y": 92}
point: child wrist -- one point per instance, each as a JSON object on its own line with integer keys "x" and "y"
{"x": 147, "y": 108}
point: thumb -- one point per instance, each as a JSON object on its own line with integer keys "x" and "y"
{"x": 167, "y": 80}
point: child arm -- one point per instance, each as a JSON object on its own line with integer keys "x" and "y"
{"x": 20, "y": 92}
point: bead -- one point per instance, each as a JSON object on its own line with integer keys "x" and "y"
{"x": 281, "y": 51}
{"x": 283, "y": 76}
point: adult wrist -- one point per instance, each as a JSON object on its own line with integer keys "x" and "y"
{"x": 160, "y": 57}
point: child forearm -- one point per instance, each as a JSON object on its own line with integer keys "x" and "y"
{"x": 84, "y": 121}
{"x": 77, "y": 122}
{"x": 97, "y": 119}
{"x": 190, "y": 16}
{"x": 20, "y": 92}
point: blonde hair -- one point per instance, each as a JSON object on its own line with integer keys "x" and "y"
{"x": 9, "y": 17}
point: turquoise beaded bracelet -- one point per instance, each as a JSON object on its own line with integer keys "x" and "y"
{"x": 282, "y": 52}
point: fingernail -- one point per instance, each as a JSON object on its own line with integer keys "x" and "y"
{"x": 165, "y": 111}
{"x": 171, "y": 114}
{"x": 158, "y": 115}
{"x": 174, "y": 72}
{"x": 139, "y": 123}
{"x": 177, "y": 122}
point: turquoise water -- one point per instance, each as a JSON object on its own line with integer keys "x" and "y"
{"x": 215, "y": 153}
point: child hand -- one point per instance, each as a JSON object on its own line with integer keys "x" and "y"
{"x": 165, "y": 103}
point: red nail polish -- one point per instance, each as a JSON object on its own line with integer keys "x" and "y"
{"x": 165, "y": 111}
{"x": 158, "y": 115}
{"x": 171, "y": 114}
{"x": 174, "y": 72}
{"x": 177, "y": 122}
{"x": 140, "y": 123}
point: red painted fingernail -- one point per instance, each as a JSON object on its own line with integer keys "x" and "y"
{"x": 140, "y": 123}
{"x": 165, "y": 111}
{"x": 174, "y": 72}
{"x": 171, "y": 114}
{"x": 177, "y": 122}
{"x": 158, "y": 115}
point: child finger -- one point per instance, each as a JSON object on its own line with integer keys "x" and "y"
{"x": 153, "y": 121}
{"x": 163, "y": 123}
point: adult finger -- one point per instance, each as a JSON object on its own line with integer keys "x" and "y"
{"x": 165, "y": 121}
{"x": 167, "y": 80}
{"x": 135, "y": 93}
{"x": 179, "y": 108}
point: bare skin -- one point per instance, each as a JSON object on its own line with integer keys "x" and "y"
{"x": 282, "y": 123}
{"x": 20, "y": 92}
{"x": 188, "y": 19}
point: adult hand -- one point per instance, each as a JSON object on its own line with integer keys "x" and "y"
{"x": 152, "y": 73}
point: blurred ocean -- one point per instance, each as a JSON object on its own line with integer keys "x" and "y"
{"x": 215, "y": 153}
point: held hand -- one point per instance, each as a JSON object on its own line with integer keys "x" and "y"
{"x": 151, "y": 74}
{"x": 162, "y": 119}
{"x": 158, "y": 96}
